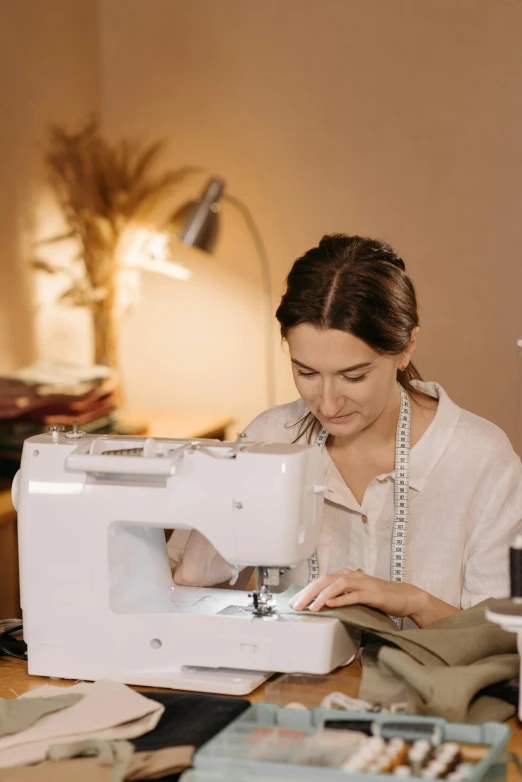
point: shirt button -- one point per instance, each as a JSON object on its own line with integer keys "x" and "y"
{"x": 364, "y": 519}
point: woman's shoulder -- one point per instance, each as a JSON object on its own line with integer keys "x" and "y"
{"x": 472, "y": 432}
{"x": 479, "y": 434}
{"x": 278, "y": 424}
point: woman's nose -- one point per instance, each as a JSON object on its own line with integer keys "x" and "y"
{"x": 331, "y": 401}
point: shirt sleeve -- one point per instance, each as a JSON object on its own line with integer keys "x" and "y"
{"x": 486, "y": 566}
{"x": 276, "y": 425}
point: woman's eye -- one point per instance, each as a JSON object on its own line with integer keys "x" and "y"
{"x": 305, "y": 374}
{"x": 357, "y": 379}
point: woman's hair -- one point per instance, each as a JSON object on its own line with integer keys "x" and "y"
{"x": 357, "y": 285}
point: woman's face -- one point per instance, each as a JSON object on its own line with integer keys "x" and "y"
{"x": 343, "y": 381}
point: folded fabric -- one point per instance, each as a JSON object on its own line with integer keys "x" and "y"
{"x": 110, "y": 710}
{"x": 31, "y": 400}
{"x": 438, "y": 670}
{"x": 117, "y": 754}
{"x": 143, "y": 765}
{"x": 17, "y": 714}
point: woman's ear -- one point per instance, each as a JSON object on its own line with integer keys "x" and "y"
{"x": 408, "y": 352}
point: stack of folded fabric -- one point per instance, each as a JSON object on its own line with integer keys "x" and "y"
{"x": 106, "y": 732}
{"x": 462, "y": 668}
{"x": 36, "y": 397}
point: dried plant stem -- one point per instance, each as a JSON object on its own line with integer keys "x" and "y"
{"x": 103, "y": 190}
{"x": 104, "y": 331}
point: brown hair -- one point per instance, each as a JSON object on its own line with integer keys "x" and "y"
{"x": 356, "y": 285}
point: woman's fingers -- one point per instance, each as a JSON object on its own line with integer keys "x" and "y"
{"x": 310, "y": 592}
{"x": 316, "y": 593}
{"x": 336, "y": 588}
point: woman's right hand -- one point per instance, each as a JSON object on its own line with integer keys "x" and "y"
{"x": 201, "y": 564}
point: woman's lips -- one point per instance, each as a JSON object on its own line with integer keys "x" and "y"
{"x": 341, "y": 419}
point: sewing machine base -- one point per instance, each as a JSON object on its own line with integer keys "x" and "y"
{"x": 218, "y": 681}
{"x": 186, "y": 638}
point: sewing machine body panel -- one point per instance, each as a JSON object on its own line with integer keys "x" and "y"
{"x": 251, "y": 507}
{"x": 96, "y": 587}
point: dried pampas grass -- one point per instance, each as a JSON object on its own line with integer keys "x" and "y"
{"x": 104, "y": 189}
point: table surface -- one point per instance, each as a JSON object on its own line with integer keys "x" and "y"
{"x": 14, "y": 680}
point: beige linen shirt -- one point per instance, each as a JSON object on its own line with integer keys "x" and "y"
{"x": 465, "y": 506}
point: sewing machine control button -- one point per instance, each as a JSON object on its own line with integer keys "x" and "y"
{"x": 55, "y": 430}
{"x": 75, "y": 433}
{"x": 156, "y": 643}
{"x": 364, "y": 519}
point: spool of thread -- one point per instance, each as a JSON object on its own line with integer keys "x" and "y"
{"x": 515, "y": 567}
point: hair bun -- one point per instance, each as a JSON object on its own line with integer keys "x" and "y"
{"x": 391, "y": 257}
{"x": 366, "y": 250}
{"x": 381, "y": 251}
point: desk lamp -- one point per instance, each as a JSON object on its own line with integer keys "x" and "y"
{"x": 196, "y": 224}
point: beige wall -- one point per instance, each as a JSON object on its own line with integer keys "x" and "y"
{"x": 395, "y": 119}
{"x": 49, "y": 67}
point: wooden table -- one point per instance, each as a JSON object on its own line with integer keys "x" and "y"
{"x": 9, "y": 595}
{"x": 14, "y": 680}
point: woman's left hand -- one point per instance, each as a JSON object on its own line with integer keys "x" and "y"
{"x": 349, "y": 587}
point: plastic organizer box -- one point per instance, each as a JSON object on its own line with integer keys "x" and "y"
{"x": 231, "y": 754}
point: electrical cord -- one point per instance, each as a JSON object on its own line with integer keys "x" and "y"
{"x": 267, "y": 290}
{"x": 13, "y": 647}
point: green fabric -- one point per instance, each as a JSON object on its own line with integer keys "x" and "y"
{"x": 117, "y": 754}
{"x": 17, "y": 714}
{"x": 437, "y": 670}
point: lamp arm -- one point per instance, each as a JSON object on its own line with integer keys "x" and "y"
{"x": 267, "y": 290}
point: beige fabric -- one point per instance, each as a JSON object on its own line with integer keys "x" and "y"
{"x": 116, "y": 754}
{"x": 109, "y": 711}
{"x": 437, "y": 670}
{"x": 438, "y": 690}
{"x": 143, "y": 765}
{"x": 17, "y": 714}
{"x": 465, "y": 507}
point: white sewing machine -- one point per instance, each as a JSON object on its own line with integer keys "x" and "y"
{"x": 97, "y": 594}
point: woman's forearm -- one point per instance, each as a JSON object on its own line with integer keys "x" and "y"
{"x": 429, "y": 609}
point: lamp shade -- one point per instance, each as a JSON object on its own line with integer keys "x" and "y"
{"x": 196, "y": 223}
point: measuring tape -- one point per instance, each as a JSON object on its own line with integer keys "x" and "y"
{"x": 401, "y": 500}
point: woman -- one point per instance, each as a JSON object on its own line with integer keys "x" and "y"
{"x": 349, "y": 316}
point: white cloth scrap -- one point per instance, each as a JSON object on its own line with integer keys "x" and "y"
{"x": 110, "y": 711}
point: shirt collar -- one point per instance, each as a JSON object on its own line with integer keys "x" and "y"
{"x": 424, "y": 455}
{"x": 427, "y": 451}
